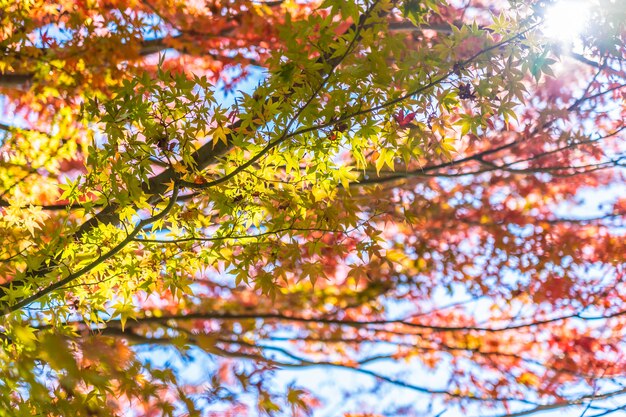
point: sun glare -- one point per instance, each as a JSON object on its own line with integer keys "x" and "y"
{"x": 566, "y": 20}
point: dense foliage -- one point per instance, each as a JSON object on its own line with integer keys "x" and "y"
{"x": 429, "y": 185}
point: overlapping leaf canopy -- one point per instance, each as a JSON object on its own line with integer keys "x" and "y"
{"x": 424, "y": 182}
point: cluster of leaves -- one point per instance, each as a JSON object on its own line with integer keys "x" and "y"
{"x": 395, "y": 155}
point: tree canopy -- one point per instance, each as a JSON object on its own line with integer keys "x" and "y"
{"x": 412, "y": 187}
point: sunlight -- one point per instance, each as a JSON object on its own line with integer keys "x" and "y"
{"x": 566, "y": 20}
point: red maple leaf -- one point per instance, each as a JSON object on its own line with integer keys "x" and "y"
{"x": 404, "y": 120}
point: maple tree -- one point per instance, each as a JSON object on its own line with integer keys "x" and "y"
{"x": 394, "y": 154}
